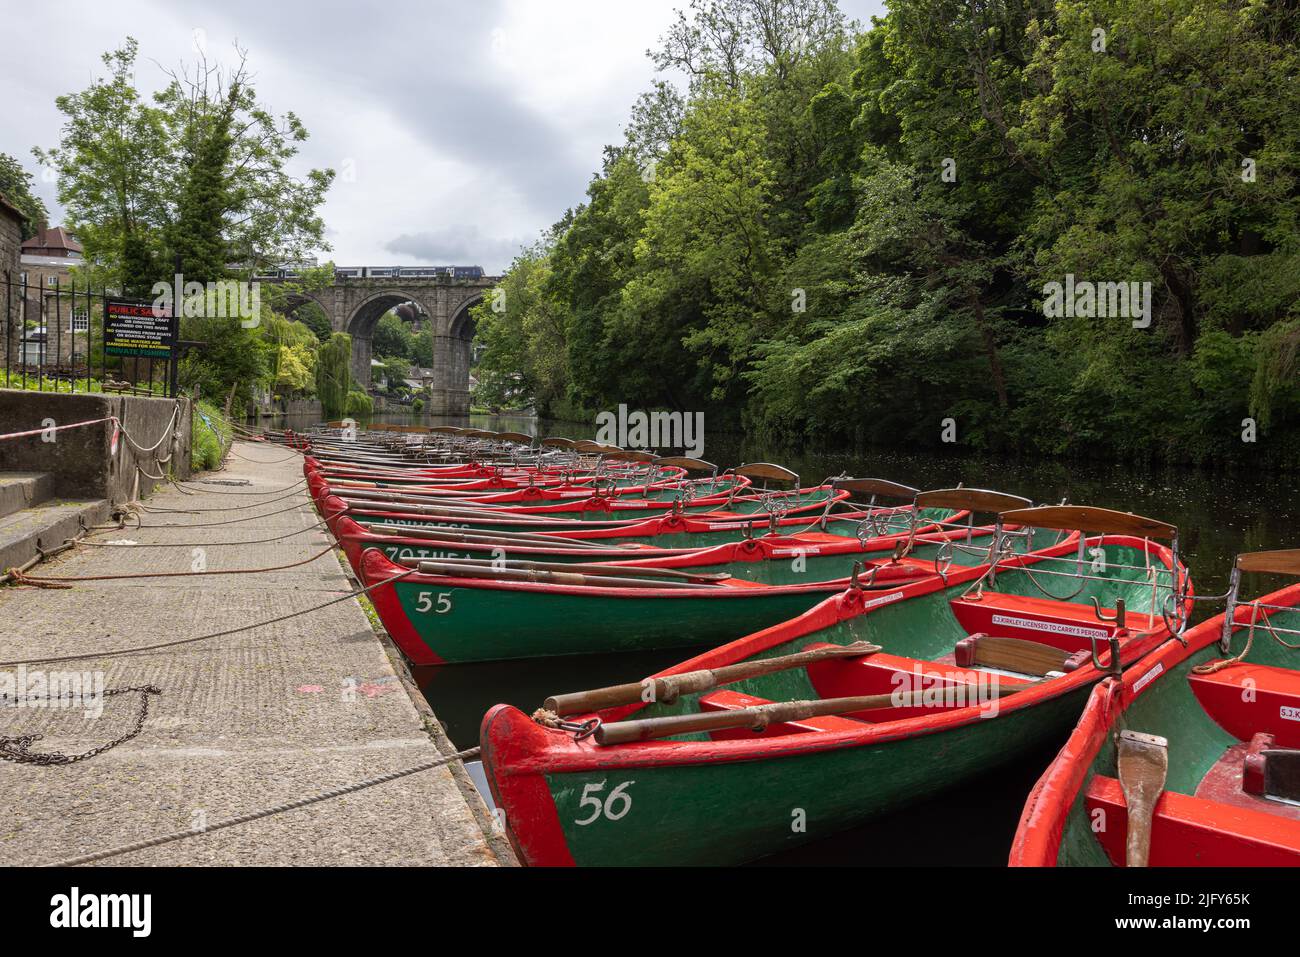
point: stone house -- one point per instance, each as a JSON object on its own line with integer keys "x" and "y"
{"x": 57, "y": 311}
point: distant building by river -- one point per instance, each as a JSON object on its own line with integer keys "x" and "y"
{"x": 58, "y": 319}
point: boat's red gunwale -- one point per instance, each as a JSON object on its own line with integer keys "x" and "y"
{"x": 1037, "y": 842}
{"x": 380, "y": 566}
{"x": 565, "y": 755}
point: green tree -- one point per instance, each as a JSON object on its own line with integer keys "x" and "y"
{"x": 391, "y": 337}
{"x": 16, "y": 186}
{"x": 311, "y": 315}
{"x": 422, "y": 348}
{"x": 334, "y": 374}
{"x": 200, "y": 172}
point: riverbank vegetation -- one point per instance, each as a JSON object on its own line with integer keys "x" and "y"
{"x": 211, "y": 435}
{"x": 192, "y": 182}
{"x": 845, "y": 234}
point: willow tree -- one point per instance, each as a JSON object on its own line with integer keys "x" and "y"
{"x": 334, "y": 374}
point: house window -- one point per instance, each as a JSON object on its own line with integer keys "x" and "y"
{"x": 51, "y": 280}
{"x": 80, "y": 320}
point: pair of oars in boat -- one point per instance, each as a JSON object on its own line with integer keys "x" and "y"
{"x": 756, "y": 718}
{"x": 518, "y": 539}
{"x": 455, "y": 508}
{"x": 561, "y": 573}
{"x": 423, "y": 504}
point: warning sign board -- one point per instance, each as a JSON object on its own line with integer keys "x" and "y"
{"x": 138, "y": 329}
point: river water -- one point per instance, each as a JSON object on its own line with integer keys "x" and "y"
{"x": 1218, "y": 513}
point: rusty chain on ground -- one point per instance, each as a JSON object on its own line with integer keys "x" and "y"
{"x": 18, "y": 749}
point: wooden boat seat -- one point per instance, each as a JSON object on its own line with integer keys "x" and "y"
{"x": 1019, "y": 656}
{"x": 724, "y": 700}
{"x": 883, "y": 673}
{"x": 1272, "y": 707}
{"x": 1193, "y": 831}
{"x": 1067, "y": 625}
{"x": 1238, "y": 778}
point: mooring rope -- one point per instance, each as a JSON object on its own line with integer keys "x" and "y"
{"x": 230, "y": 521}
{"x": 216, "y": 491}
{"x": 265, "y": 812}
{"x": 23, "y": 579}
{"x": 1210, "y": 667}
{"x": 296, "y": 454}
{"x": 113, "y": 653}
{"x": 255, "y": 541}
{"x": 219, "y": 508}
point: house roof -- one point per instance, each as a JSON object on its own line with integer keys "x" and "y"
{"x": 51, "y": 238}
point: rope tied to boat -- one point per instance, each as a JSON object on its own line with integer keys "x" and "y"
{"x": 17, "y": 577}
{"x": 1210, "y": 667}
{"x": 551, "y": 720}
{"x": 157, "y": 646}
{"x": 266, "y": 812}
{"x": 55, "y": 581}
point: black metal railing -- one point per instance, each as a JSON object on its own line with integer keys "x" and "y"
{"x": 53, "y": 330}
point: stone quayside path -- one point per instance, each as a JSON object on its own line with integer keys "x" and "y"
{"x": 244, "y": 722}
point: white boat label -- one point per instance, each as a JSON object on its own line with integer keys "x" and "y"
{"x": 883, "y": 599}
{"x": 1290, "y": 713}
{"x": 1147, "y": 678}
{"x": 1051, "y": 627}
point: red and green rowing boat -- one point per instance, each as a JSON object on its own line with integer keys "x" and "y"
{"x": 451, "y": 612}
{"x": 658, "y": 537}
{"x": 1192, "y": 758}
{"x": 866, "y": 702}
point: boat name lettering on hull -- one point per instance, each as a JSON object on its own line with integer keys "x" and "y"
{"x": 1054, "y": 627}
{"x": 1290, "y": 713}
{"x": 883, "y": 599}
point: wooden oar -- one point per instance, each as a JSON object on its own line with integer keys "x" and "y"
{"x": 554, "y": 578}
{"x": 477, "y": 511}
{"x": 489, "y": 537}
{"x": 415, "y": 504}
{"x": 587, "y": 568}
{"x": 435, "y": 497}
{"x": 460, "y": 536}
{"x": 667, "y": 689}
{"x": 760, "y": 716}
{"x": 1143, "y": 761}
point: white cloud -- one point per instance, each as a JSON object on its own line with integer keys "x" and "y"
{"x": 466, "y": 126}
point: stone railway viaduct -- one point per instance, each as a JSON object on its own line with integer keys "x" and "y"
{"x": 355, "y": 305}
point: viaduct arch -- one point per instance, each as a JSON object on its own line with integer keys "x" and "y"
{"x": 355, "y": 305}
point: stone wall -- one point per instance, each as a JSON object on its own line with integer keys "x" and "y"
{"x": 11, "y": 238}
{"x": 90, "y": 462}
{"x": 281, "y": 406}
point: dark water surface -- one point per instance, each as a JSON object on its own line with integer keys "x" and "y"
{"x": 1218, "y": 513}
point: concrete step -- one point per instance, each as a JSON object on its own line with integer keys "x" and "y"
{"x": 19, "y": 490}
{"x": 46, "y": 526}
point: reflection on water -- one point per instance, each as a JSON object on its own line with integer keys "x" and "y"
{"x": 1218, "y": 513}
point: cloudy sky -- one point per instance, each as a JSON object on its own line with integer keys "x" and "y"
{"x": 459, "y": 129}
